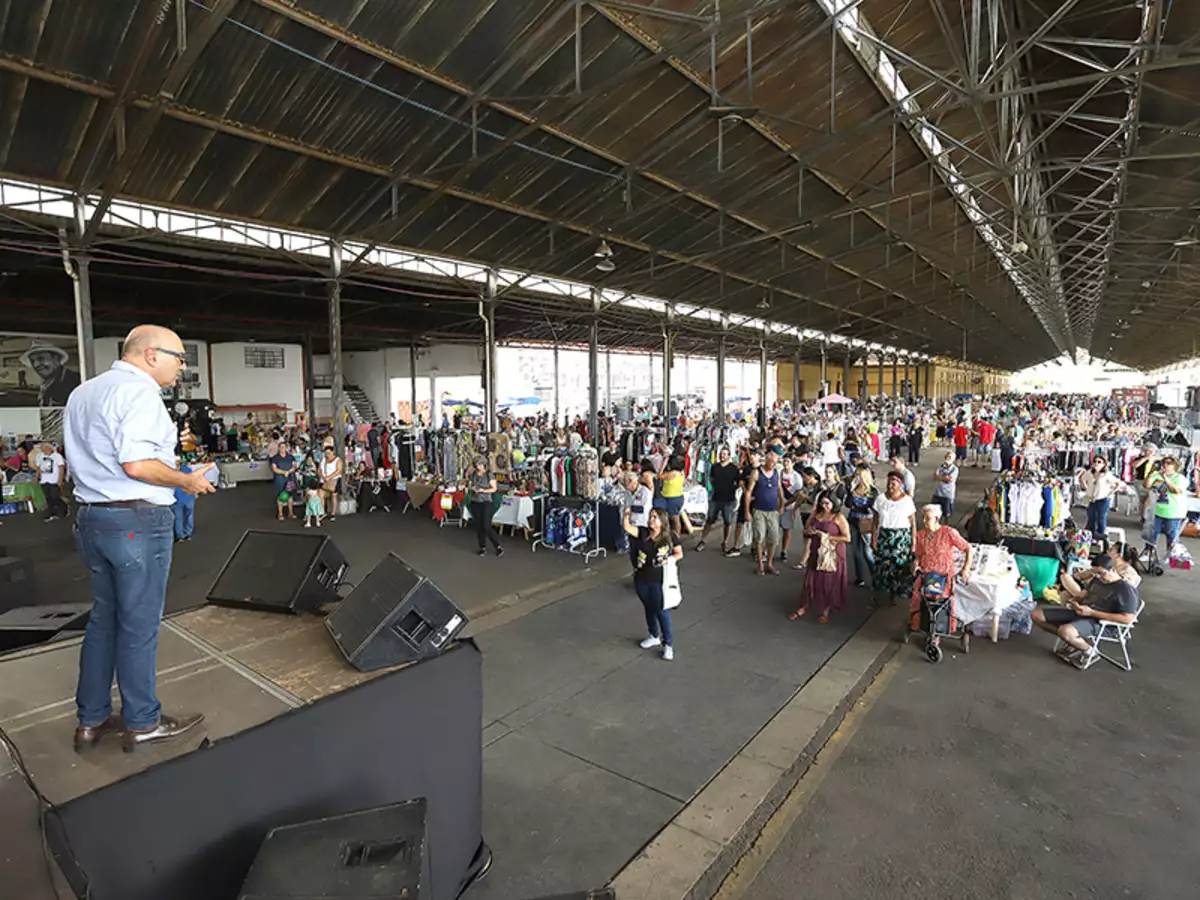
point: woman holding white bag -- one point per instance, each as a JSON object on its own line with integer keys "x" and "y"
{"x": 652, "y": 553}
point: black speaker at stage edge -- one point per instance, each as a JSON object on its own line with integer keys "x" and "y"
{"x": 280, "y": 571}
{"x": 29, "y": 625}
{"x": 377, "y": 853}
{"x": 394, "y": 615}
{"x": 16, "y": 583}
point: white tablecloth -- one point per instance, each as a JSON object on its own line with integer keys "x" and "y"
{"x": 512, "y": 511}
{"x": 993, "y": 585}
{"x": 695, "y": 501}
{"x": 234, "y": 472}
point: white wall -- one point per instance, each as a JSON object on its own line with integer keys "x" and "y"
{"x": 20, "y": 420}
{"x": 107, "y": 349}
{"x": 373, "y": 370}
{"x": 233, "y": 384}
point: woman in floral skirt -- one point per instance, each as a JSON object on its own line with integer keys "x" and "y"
{"x": 892, "y": 541}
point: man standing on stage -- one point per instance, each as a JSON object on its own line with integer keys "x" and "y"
{"x": 120, "y": 444}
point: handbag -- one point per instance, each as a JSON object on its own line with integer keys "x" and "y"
{"x": 933, "y": 585}
{"x": 672, "y": 593}
{"x": 827, "y": 560}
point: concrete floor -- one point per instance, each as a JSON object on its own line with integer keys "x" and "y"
{"x": 1008, "y": 774}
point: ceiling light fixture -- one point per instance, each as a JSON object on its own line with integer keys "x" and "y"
{"x": 764, "y": 303}
{"x": 1136, "y": 311}
{"x": 606, "y": 265}
{"x": 1187, "y": 241}
{"x": 603, "y": 251}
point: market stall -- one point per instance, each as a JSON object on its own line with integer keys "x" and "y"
{"x": 995, "y": 600}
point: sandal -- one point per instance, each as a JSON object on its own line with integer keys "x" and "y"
{"x": 824, "y": 620}
{"x": 798, "y": 614}
{"x": 759, "y": 571}
{"x": 799, "y": 566}
{"x": 771, "y": 570}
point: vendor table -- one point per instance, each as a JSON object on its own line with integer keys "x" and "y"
{"x": 1023, "y": 546}
{"x": 992, "y": 588}
{"x": 516, "y": 511}
{"x": 253, "y": 470}
{"x": 27, "y": 493}
{"x": 695, "y": 501}
{"x": 416, "y": 494}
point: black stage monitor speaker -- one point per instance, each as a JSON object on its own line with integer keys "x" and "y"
{"x": 16, "y": 583}
{"x": 280, "y": 571}
{"x": 377, "y": 854}
{"x": 29, "y": 625}
{"x": 394, "y": 615}
{"x": 412, "y": 732}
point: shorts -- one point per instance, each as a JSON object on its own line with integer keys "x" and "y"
{"x": 960, "y": 452}
{"x": 721, "y": 510}
{"x": 985, "y": 449}
{"x": 766, "y": 527}
{"x": 672, "y": 505}
{"x": 1057, "y": 615}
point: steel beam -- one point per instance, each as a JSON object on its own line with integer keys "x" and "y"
{"x": 487, "y": 309}
{"x": 338, "y": 406}
{"x": 594, "y": 370}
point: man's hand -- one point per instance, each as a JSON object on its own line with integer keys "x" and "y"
{"x": 965, "y": 576}
{"x": 197, "y": 482}
{"x": 1083, "y": 609}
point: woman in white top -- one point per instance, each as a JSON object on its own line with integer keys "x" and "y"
{"x": 892, "y": 539}
{"x": 331, "y": 473}
{"x": 1099, "y": 485}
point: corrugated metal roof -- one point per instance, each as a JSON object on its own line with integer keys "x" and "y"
{"x": 303, "y": 112}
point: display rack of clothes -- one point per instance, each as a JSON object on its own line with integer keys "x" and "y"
{"x": 572, "y": 525}
{"x": 1028, "y": 499}
{"x": 1076, "y": 456}
{"x": 573, "y": 473}
{"x": 448, "y": 452}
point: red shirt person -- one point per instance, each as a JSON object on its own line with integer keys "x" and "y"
{"x": 961, "y": 436}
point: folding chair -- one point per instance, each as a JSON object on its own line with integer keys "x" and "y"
{"x": 1115, "y": 633}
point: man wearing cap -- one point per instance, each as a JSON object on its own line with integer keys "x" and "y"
{"x": 1108, "y": 598}
{"x": 120, "y": 444}
{"x": 50, "y": 363}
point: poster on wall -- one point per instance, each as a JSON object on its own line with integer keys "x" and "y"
{"x": 37, "y": 369}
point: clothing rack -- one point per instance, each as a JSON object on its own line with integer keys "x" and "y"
{"x": 550, "y": 538}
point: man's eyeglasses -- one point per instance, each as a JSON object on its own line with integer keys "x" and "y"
{"x": 182, "y": 357}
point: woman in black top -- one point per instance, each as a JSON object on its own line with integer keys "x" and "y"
{"x": 653, "y": 551}
{"x": 916, "y": 434}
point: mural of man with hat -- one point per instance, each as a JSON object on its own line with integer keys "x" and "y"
{"x": 50, "y": 363}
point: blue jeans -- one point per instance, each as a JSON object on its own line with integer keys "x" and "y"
{"x": 1097, "y": 517}
{"x": 860, "y": 552}
{"x": 658, "y": 620}
{"x": 1169, "y": 527}
{"x": 185, "y": 519}
{"x": 128, "y": 552}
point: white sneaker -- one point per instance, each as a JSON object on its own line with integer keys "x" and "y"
{"x": 650, "y": 642}
{"x": 668, "y": 653}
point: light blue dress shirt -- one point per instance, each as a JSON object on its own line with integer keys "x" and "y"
{"x": 118, "y": 417}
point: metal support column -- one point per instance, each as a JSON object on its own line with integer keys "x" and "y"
{"x": 557, "y": 421}
{"x": 895, "y": 375}
{"x": 719, "y": 400}
{"x": 762, "y": 385}
{"x": 928, "y": 386}
{"x": 846, "y": 375}
{"x": 594, "y": 371}
{"x": 906, "y": 382}
{"x": 337, "y": 412}
{"x": 310, "y": 393}
{"x": 864, "y": 389}
{"x": 824, "y": 372}
{"x": 610, "y": 409}
{"x": 796, "y": 386}
{"x": 412, "y": 383}
{"x": 79, "y": 271}
{"x": 487, "y": 312}
{"x": 880, "y": 375}
{"x": 668, "y": 339}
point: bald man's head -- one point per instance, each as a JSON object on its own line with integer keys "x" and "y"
{"x": 155, "y": 350}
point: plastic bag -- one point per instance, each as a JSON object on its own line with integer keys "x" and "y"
{"x": 672, "y": 593}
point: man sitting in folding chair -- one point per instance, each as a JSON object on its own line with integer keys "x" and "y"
{"x": 1103, "y": 612}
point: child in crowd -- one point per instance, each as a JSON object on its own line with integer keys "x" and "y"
{"x": 314, "y": 504}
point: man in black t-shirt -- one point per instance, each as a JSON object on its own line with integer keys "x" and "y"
{"x": 753, "y": 461}
{"x": 1109, "y": 598}
{"x": 609, "y": 459}
{"x": 721, "y": 502}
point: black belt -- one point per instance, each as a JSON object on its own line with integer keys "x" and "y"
{"x": 125, "y": 504}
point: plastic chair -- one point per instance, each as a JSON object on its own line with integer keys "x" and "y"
{"x": 1115, "y": 633}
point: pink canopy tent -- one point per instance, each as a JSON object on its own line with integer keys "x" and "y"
{"x": 834, "y": 399}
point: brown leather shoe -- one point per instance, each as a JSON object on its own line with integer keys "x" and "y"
{"x": 88, "y": 736}
{"x": 167, "y": 727}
